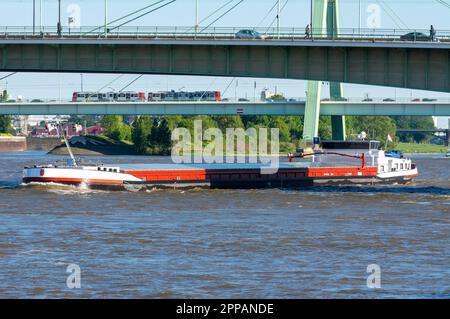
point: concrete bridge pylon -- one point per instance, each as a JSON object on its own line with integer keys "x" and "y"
{"x": 325, "y": 15}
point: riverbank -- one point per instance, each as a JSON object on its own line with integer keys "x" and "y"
{"x": 10, "y": 143}
{"x": 412, "y": 148}
{"x": 42, "y": 143}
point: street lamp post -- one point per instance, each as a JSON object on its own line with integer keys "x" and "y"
{"x": 278, "y": 19}
{"x": 40, "y": 15}
{"x": 333, "y": 22}
{"x": 311, "y": 18}
{"x": 59, "y": 26}
{"x": 106, "y": 18}
{"x": 34, "y": 15}
{"x": 196, "y": 16}
{"x": 359, "y": 9}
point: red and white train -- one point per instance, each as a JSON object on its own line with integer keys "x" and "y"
{"x": 185, "y": 96}
{"x": 133, "y": 96}
{"x": 109, "y": 96}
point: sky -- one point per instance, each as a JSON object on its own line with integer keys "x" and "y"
{"x": 393, "y": 14}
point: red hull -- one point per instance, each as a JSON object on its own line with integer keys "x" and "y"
{"x": 202, "y": 175}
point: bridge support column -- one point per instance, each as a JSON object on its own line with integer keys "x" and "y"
{"x": 312, "y": 106}
{"x": 325, "y": 16}
{"x": 336, "y": 90}
{"x": 337, "y": 121}
{"x": 312, "y": 111}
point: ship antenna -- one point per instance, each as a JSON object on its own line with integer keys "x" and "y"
{"x": 69, "y": 149}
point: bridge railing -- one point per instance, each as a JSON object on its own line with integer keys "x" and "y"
{"x": 389, "y": 100}
{"x": 187, "y": 32}
{"x": 293, "y": 100}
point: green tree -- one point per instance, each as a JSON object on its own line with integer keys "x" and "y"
{"x": 111, "y": 123}
{"x": 281, "y": 124}
{"x": 256, "y": 120}
{"x": 414, "y": 122}
{"x": 164, "y": 134}
{"x": 141, "y": 129}
{"x": 278, "y": 97}
{"x": 295, "y": 124}
{"x": 160, "y": 137}
{"x": 229, "y": 121}
{"x": 115, "y": 128}
{"x": 5, "y": 124}
{"x": 125, "y": 133}
{"x": 377, "y": 127}
{"x": 174, "y": 120}
{"x": 325, "y": 132}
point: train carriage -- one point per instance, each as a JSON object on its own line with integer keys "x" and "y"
{"x": 184, "y": 96}
{"x": 130, "y": 96}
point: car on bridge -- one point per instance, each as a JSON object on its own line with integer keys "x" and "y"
{"x": 415, "y": 36}
{"x": 248, "y": 34}
{"x": 388, "y": 100}
{"x": 428, "y": 100}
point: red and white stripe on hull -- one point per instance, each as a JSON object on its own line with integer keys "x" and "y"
{"x": 74, "y": 175}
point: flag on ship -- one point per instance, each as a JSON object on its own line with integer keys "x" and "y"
{"x": 389, "y": 137}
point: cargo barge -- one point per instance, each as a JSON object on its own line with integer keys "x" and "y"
{"x": 373, "y": 168}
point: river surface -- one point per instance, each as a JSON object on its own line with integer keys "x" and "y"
{"x": 224, "y": 243}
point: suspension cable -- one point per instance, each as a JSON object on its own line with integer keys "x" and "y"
{"x": 228, "y": 86}
{"x": 204, "y": 92}
{"x": 267, "y": 14}
{"x": 129, "y": 15}
{"x": 275, "y": 19}
{"x": 445, "y": 4}
{"x": 395, "y": 14}
{"x": 212, "y": 14}
{"x": 126, "y": 86}
{"x": 7, "y": 76}
{"x": 144, "y": 14}
{"x": 222, "y": 15}
{"x": 387, "y": 12}
{"x": 114, "y": 80}
{"x": 98, "y": 91}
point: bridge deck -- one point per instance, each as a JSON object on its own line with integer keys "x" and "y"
{"x": 372, "y": 57}
{"x": 225, "y": 108}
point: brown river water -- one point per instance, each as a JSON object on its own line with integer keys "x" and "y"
{"x": 312, "y": 243}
